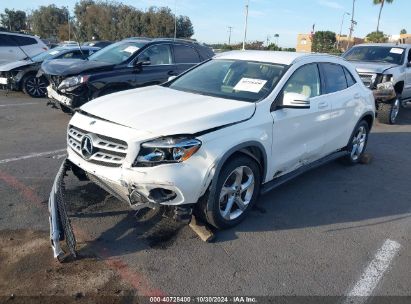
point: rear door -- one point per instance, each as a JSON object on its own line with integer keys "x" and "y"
{"x": 157, "y": 65}
{"x": 407, "y": 83}
{"x": 185, "y": 57}
{"x": 299, "y": 134}
{"x": 341, "y": 91}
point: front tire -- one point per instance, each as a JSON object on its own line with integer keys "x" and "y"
{"x": 236, "y": 191}
{"x": 388, "y": 112}
{"x": 358, "y": 143}
{"x": 35, "y": 87}
{"x": 66, "y": 109}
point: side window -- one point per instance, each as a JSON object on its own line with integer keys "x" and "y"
{"x": 5, "y": 40}
{"x": 21, "y": 40}
{"x": 157, "y": 54}
{"x": 409, "y": 57}
{"x": 305, "y": 81}
{"x": 350, "y": 78}
{"x": 185, "y": 54}
{"x": 334, "y": 77}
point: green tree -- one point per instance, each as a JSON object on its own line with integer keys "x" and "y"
{"x": 381, "y": 4}
{"x": 377, "y": 37}
{"x": 184, "y": 27}
{"x": 273, "y": 47}
{"x": 47, "y": 20}
{"x": 13, "y": 20}
{"x": 403, "y": 32}
{"x": 323, "y": 42}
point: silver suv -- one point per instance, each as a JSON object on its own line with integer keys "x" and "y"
{"x": 384, "y": 63}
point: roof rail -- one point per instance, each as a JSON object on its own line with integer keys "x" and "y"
{"x": 137, "y": 38}
{"x": 177, "y": 39}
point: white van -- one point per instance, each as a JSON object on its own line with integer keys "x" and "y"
{"x": 14, "y": 46}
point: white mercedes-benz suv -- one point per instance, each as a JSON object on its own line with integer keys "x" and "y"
{"x": 213, "y": 138}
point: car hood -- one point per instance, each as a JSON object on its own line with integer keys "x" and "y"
{"x": 164, "y": 111}
{"x": 372, "y": 67}
{"x": 68, "y": 67}
{"x": 15, "y": 64}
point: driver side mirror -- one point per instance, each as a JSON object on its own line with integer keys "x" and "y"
{"x": 142, "y": 61}
{"x": 295, "y": 101}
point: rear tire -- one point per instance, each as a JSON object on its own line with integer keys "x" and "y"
{"x": 388, "y": 112}
{"x": 236, "y": 191}
{"x": 357, "y": 143}
{"x": 35, "y": 87}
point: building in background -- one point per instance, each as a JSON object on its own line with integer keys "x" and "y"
{"x": 304, "y": 42}
{"x": 402, "y": 38}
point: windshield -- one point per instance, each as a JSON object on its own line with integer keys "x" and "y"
{"x": 48, "y": 54}
{"x": 386, "y": 54}
{"x": 117, "y": 52}
{"x": 232, "y": 79}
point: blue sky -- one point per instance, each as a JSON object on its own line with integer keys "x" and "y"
{"x": 211, "y": 18}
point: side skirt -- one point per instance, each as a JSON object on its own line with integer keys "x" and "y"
{"x": 267, "y": 187}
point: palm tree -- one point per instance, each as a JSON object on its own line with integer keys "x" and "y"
{"x": 381, "y": 3}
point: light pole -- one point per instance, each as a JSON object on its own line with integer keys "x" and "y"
{"x": 230, "y": 29}
{"x": 245, "y": 24}
{"x": 175, "y": 19}
{"x": 352, "y": 24}
{"x": 342, "y": 22}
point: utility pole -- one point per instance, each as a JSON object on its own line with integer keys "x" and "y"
{"x": 68, "y": 21}
{"x": 342, "y": 22}
{"x": 230, "y": 28}
{"x": 245, "y": 24}
{"x": 175, "y": 19}
{"x": 353, "y": 23}
{"x": 268, "y": 40}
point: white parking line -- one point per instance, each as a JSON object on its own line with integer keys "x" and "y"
{"x": 19, "y": 104}
{"x": 32, "y": 155}
{"x": 373, "y": 273}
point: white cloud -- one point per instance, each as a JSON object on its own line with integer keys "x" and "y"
{"x": 330, "y": 4}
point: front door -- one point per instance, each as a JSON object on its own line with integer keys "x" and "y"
{"x": 299, "y": 134}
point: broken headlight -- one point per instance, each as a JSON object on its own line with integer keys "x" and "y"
{"x": 166, "y": 150}
{"x": 71, "y": 83}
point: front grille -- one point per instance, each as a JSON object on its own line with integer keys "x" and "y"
{"x": 109, "y": 152}
{"x": 368, "y": 79}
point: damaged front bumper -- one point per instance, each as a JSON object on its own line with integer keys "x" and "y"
{"x": 60, "y": 226}
{"x": 385, "y": 92}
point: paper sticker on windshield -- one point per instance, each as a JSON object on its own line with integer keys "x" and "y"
{"x": 397, "y": 51}
{"x": 250, "y": 85}
{"x": 54, "y": 52}
{"x": 130, "y": 49}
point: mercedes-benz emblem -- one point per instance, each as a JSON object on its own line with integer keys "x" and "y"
{"x": 87, "y": 149}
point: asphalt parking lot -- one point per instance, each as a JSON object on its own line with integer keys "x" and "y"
{"x": 315, "y": 236}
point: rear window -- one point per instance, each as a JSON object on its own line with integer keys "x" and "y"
{"x": 185, "y": 54}
{"x": 334, "y": 77}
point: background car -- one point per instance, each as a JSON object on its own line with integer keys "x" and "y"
{"x": 122, "y": 65}
{"x": 22, "y": 74}
{"x": 379, "y": 63}
{"x": 15, "y": 46}
{"x": 100, "y": 44}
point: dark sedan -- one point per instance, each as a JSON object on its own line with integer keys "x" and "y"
{"x": 126, "y": 64}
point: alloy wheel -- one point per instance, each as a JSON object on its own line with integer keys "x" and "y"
{"x": 358, "y": 143}
{"x": 236, "y": 193}
{"x": 36, "y": 86}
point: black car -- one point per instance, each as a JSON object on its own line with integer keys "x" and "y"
{"x": 126, "y": 64}
{"x": 21, "y": 75}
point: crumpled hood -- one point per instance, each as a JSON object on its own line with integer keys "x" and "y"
{"x": 68, "y": 67}
{"x": 15, "y": 64}
{"x": 372, "y": 67}
{"x": 164, "y": 111}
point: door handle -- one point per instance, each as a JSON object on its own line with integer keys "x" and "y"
{"x": 323, "y": 105}
{"x": 172, "y": 73}
{"x": 357, "y": 96}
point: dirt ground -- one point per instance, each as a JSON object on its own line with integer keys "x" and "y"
{"x": 29, "y": 272}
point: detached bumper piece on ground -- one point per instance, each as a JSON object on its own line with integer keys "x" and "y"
{"x": 60, "y": 226}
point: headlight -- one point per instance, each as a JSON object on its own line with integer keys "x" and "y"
{"x": 166, "y": 150}
{"x": 386, "y": 78}
{"x": 71, "y": 83}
